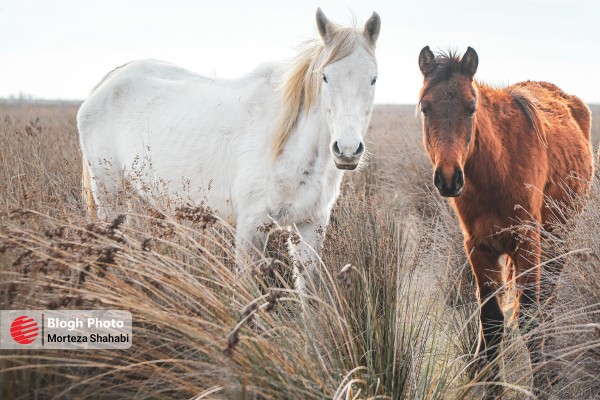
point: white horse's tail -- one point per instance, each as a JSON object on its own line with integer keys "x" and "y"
{"x": 86, "y": 188}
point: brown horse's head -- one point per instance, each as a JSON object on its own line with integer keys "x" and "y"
{"x": 448, "y": 104}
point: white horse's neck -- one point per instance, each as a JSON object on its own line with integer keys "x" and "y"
{"x": 309, "y": 142}
{"x": 304, "y": 176}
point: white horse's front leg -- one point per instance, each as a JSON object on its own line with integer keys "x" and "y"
{"x": 307, "y": 256}
{"x": 250, "y": 243}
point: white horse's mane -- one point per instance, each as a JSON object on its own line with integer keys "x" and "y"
{"x": 302, "y": 81}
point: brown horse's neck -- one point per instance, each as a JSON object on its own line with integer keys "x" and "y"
{"x": 486, "y": 150}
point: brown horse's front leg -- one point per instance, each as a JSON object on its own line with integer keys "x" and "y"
{"x": 488, "y": 274}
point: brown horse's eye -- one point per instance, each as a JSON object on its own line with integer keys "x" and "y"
{"x": 471, "y": 111}
{"x": 425, "y": 110}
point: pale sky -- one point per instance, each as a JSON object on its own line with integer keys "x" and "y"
{"x": 60, "y": 49}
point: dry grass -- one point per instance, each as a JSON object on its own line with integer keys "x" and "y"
{"x": 399, "y": 323}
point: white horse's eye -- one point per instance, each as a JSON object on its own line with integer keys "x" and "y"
{"x": 324, "y": 78}
{"x": 373, "y": 81}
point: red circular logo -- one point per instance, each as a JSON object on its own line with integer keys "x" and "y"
{"x": 24, "y": 330}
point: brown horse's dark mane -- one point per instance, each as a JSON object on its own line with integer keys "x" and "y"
{"x": 527, "y": 102}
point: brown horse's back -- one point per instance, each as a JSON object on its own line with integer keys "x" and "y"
{"x": 566, "y": 121}
{"x": 578, "y": 110}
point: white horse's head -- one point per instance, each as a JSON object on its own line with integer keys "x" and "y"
{"x": 349, "y": 74}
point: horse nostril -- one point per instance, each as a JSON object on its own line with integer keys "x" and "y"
{"x": 458, "y": 179}
{"x": 335, "y": 149}
{"x": 360, "y": 150}
{"x": 449, "y": 186}
{"x": 437, "y": 179}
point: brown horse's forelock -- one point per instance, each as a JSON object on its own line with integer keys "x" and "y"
{"x": 444, "y": 65}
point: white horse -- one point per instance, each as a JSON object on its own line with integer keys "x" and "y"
{"x": 268, "y": 147}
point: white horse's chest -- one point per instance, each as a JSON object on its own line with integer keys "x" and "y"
{"x": 305, "y": 191}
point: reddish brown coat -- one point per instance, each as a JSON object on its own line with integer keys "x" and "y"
{"x": 499, "y": 153}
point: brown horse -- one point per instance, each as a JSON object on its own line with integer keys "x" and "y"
{"x": 500, "y": 153}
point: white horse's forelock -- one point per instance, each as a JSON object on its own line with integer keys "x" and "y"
{"x": 302, "y": 82}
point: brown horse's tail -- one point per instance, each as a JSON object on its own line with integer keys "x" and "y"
{"x": 527, "y": 102}
{"x": 86, "y": 188}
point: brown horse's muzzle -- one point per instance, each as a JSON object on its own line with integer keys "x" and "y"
{"x": 449, "y": 186}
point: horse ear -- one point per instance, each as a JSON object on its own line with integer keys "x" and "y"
{"x": 323, "y": 25}
{"x": 469, "y": 62}
{"x": 372, "y": 28}
{"x": 426, "y": 58}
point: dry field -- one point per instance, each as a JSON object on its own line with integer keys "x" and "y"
{"x": 400, "y": 322}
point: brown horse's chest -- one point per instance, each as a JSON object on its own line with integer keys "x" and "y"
{"x": 488, "y": 215}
